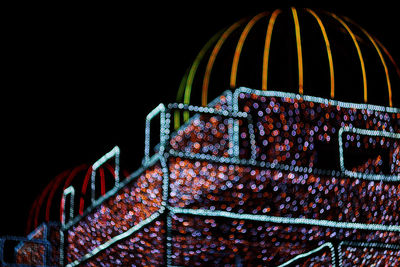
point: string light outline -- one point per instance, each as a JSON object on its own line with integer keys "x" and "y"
{"x": 160, "y": 109}
{"x": 286, "y": 220}
{"x": 364, "y": 245}
{"x": 115, "y": 152}
{"x": 164, "y": 135}
{"x": 73, "y": 220}
{"x": 374, "y": 133}
{"x": 156, "y": 158}
{"x": 68, "y": 191}
{"x": 303, "y": 255}
{"x": 117, "y": 238}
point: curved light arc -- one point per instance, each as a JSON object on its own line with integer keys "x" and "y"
{"x": 299, "y": 49}
{"x": 86, "y": 182}
{"x": 50, "y": 197}
{"x": 210, "y": 63}
{"x": 30, "y": 216}
{"x": 44, "y": 194}
{"x": 68, "y": 178}
{"x": 40, "y": 202}
{"x": 179, "y": 99}
{"x": 239, "y": 46}
{"x": 389, "y": 86}
{"x": 360, "y": 56}
{"x": 389, "y": 56}
{"x": 267, "y": 48}
{"x": 83, "y": 190}
{"x": 195, "y": 65}
{"x": 328, "y": 51}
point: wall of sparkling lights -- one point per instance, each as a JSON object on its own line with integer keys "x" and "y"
{"x": 260, "y": 177}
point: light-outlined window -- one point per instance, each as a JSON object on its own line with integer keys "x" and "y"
{"x": 369, "y": 154}
{"x": 150, "y": 139}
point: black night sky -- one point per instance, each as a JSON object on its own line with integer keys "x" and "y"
{"x": 76, "y": 81}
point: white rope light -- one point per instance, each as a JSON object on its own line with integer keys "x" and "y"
{"x": 115, "y": 152}
{"x": 374, "y": 133}
{"x": 286, "y": 220}
{"x": 304, "y": 255}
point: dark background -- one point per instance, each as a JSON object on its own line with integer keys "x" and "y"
{"x": 76, "y": 81}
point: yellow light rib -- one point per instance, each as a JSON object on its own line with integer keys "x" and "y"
{"x": 267, "y": 47}
{"x": 239, "y": 47}
{"x": 328, "y": 51}
{"x": 210, "y": 64}
{"x": 359, "y": 54}
{"x": 381, "y": 58}
{"x": 299, "y": 50}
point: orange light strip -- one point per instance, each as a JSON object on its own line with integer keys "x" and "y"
{"x": 299, "y": 50}
{"x": 393, "y": 62}
{"x": 267, "y": 47}
{"x": 239, "y": 46}
{"x": 359, "y": 54}
{"x": 328, "y": 51}
{"x": 389, "y": 85}
{"x": 193, "y": 70}
{"x": 389, "y": 56}
{"x": 210, "y": 64}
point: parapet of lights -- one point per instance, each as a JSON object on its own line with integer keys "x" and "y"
{"x": 258, "y": 177}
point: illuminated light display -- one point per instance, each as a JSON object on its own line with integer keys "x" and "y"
{"x": 240, "y": 44}
{"x": 388, "y": 55}
{"x": 42, "y": 246}
{"x": 193, "y": 69}
{"x": 260, "y": 177}
{"x": 329, "y": 53}
{"x": 126, "y": 204}
{"x": 267, "y": 47}
{"x": 365, "y": 44}
{"x": 40, "y": 200}
{"x": 299, "y": 50}
{"x": 68, "y": 181}
{"x": 353, "y": 37}
{"x": 206, "y": 80}
{"x": 389, "y": 86}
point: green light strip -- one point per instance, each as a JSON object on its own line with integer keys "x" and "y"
{"x": 193, "y": 69}
{"x": 179, "y": 98}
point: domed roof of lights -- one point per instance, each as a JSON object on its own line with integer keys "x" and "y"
{"x": 297, "y": 50}
{"x": 47, "y": 205}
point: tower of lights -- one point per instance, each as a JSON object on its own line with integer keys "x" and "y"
{"x": 308, "y": 175}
